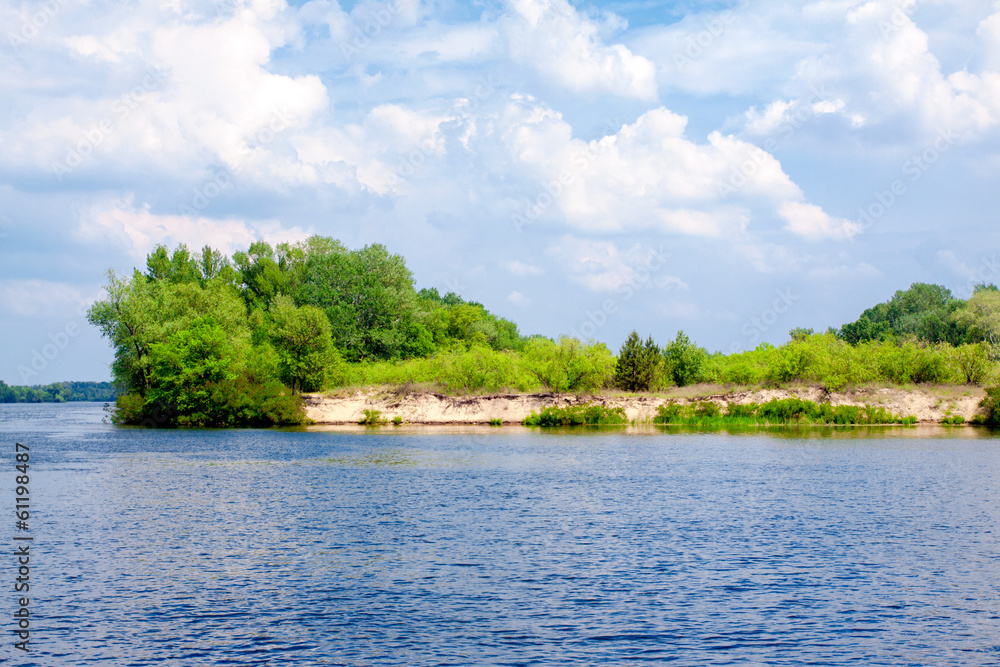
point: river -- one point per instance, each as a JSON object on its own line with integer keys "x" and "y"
{"x": 468, "y": 546}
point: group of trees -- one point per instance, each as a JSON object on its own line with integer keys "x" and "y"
{"x": 930, "y": 314}
{"x": 642, "y": 366}
{"x": 58, "y": 392}
{"x": 922, "y": 334}
{"x": 200, "y": 339}
{"x": 203, "y": 340}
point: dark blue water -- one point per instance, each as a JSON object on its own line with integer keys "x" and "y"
{"x": 503, "y": 546}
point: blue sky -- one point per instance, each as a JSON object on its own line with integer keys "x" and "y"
{"x": 730, "y": 169}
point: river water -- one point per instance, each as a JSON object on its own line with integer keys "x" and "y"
{"x": 466, "y": 546}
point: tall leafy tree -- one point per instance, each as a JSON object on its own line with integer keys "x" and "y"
{"x": 685, "y": 360}
{"x": 127, "y": 318}
{"x": 923, "y": 311}
{"x": 368, "y": 297}
{"x": 981, "y": 316}
{"x": 301, "y": 336}
{"x": 262, "y": 276}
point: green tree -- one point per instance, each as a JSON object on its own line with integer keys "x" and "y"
{"x": 981, "y": 317}
{"x": 798, "y": 333}
{"x": 180, "y": 267}
{"x": 126, "y": 317}
{"x": 637, "y": 363}
{"x": 923, "y": 311}
{"x": 685, "y": 360}
{"x": 184, "y": 355}
{"x": 301, "y": 336}
{"x": 262, "y": 277}
{"x": 368, "y": 297}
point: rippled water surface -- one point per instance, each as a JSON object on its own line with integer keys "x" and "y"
{"x": 504, "y": 546}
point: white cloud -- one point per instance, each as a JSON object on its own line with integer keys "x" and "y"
{"x": 649, "y": 175}
{"x": 601, "y": 267}
{"x": 391, "y": 143}
{"x": 733, "y": 51}
{"x": 43, "y": 298}
{"x": 200, "y": 91}
{"x": 519, "y": 268}
{"x": 139, "y": 231}
{"x": 518, "y": 299}
{"x": 811, "y": 222}
{"x": 565, "y": 46}
{"x": 873, "y": 54}
{"x": 597, "y": 265}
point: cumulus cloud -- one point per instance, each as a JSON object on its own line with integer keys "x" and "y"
{"x": 597, "y": 265}
{"x": 649, "y": 175}
{"x": 391, "y": 143}
{"x": 811, "y": 222}
{"x": 138, "y": 231}
{"x": 874, "y": 55}
{"x": 566, "y": 47}
{"x": 199, "y": 89}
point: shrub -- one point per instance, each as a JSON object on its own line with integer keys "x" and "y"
{"x": 741, "y": 410}
{"x": 972, "y": 362}
{"x": 569, "y": 365}
{"x": 668, "y": 413}
{"x": 577, "y": 415}
{"x": 372, "y": 418}
{"x": 990, "y": 408}
{"x": 707, "y": 409}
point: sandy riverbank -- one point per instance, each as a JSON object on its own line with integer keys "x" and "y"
{"x": 928, "y": 405}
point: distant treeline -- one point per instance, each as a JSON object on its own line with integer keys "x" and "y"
{"x": 58, "y": 392}
{"x": 204, "y": 340}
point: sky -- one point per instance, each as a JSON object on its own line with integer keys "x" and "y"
{"x": 729, "y": 169}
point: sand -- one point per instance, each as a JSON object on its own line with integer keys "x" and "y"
{"x": 928, "y": 405}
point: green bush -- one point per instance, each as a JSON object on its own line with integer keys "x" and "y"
{"x": 778, "y": 411}
{"x": 669, "y": 413}
{"x": 707, "y": 410}
{"x": 479, "y": 368}
{"x": 990, "y": 405}
{"x": 741, "y": 410}
{"x": 371, "y": 418}
{"x": 569, "y": 365}
{"x": 577, "y": 415}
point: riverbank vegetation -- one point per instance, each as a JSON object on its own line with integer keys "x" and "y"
{"x": 201, "y": 339}
{"x": 777, "y": 412}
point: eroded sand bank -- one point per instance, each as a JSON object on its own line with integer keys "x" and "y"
{"x": 927, "y": 405}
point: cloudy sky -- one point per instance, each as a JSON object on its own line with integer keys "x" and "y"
{"x": 732, "y": 169}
